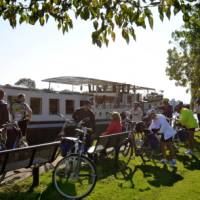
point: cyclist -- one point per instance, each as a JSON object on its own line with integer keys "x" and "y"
{"x": 187, "y": 120}
{"x": 4, "y": 113}
{"x": 160, "y": 124}
{"x": 4, "y": 118}
{"x": 22, "y": 113}
{"x": 86, "y": 112}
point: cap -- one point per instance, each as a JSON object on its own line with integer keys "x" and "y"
{"x": 152, "y": 110}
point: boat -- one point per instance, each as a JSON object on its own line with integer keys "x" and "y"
{"x": 106, "y": 97}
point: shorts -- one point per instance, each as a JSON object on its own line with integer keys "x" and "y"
{"x": 162, "y": 139}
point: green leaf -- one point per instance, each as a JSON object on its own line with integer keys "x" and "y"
{"x": 22, "y": 19}
{"x": 109, "y": 14}
{"x": 124, "y": 7}
{"x": 186, "y": 17}
{"x": 160, "y": 10}
{"x": 98, "y": 43}
{"x": 177, "y": 7}
{"x": 125, "y": 35}
{"x": 132, "y": 32}
{"x": 59, "y": 25}
{"x": 42, "y": 21}
{"x": 168, "y": 12}
{"x": 113, "y": 36}
{"x": 95, "y": 24}
{"x": 85, "y": 14}
{"x": 47, "y": 17}
{"x": 150, "y": 18}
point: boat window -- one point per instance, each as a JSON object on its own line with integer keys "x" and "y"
{"x": 69, "y": 106}
{"x": 36, "y": 105}
{"x": 53, "y": 106}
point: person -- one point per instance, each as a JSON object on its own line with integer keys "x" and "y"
{"x": 21, "y": 113}
{"x": 115, "y": 126}
{"x": 4, "y": 118}
{"x": 86, "y": 112}
{"x": 197, "y": 110}
{"x": 125, "y": 117}
{"x": 167, "y": 109}
{"x": 160, "y": 124}
{"x": 4, "y": 113}
{"x": 136, "y": 112}
{"x": 187, "y": 120}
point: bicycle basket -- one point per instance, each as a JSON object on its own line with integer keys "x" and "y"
{"x": 65, "y": 146}
{"x": 69, "y": 129}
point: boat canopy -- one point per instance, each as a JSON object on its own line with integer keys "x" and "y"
{"x": 72, "y": 80}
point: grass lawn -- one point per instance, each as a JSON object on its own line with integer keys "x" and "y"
{"x": 150, "y": 181}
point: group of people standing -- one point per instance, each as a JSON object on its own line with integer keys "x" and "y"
{"x": 18, "y": 111}
{"x": 160, "y": 121}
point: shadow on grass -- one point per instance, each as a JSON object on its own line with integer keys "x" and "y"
{"x": 190, "y": 162}
{"x": 31, "y": 194}
{"x": 157, "y": 176}
{"x": 50, "y": 193}
{"x": 126, "y": 174}
{"x": 160, "y": 176}
{"x": 106, "y": 167}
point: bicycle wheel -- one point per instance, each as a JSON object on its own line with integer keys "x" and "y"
{"x": 74, "y": 177}
{"x": 124, "y": 154}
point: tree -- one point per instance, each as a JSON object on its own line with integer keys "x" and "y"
{"x": 106, "y": 15}
{"x": 184, "y": 57}
{"x": 27, "y": 82}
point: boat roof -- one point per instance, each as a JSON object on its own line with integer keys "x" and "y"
{"x": 74, "y": 80}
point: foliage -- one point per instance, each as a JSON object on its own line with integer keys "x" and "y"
{"x": 27, "y": 82}
{"x": 104, "y": 14}
{"x": 184, "y": 57}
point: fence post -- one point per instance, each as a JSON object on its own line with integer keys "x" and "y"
{"x": 35, "y": 173}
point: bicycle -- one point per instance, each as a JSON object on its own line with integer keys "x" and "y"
{"x": 19, "y": 141}
{"x": 74, "y": 176}
{"x": 145, "y": 143}
{"x": 125, "y": 151}
{"x": 13, "y": 127}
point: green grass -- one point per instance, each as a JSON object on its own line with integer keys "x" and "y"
{"x": 150, "y": 181}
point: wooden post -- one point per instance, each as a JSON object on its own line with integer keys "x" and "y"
{"x": 35, "y": 173}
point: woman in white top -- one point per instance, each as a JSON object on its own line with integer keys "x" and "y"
{"x": 160, "y": 123}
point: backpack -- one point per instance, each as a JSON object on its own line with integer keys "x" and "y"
{"x": 18, "y": 111}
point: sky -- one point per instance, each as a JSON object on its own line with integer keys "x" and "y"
{"x": 44, "y": 52}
